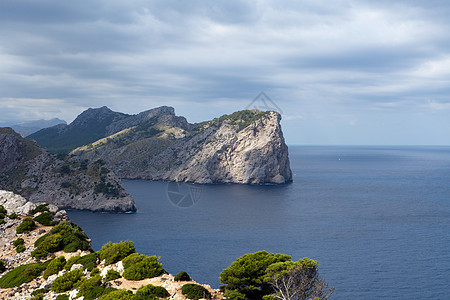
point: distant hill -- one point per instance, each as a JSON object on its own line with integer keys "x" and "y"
{"x": 88, "y": 127}
{"x": 29, "y": 127}
{"x": 67, "y": 182}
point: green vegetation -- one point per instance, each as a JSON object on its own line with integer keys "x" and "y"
{"x": 45, "y": 218}
{"x": 241, "y": 118}
{"x": 62, "y": 297}
{"x": 13, "y": 216}
{"x": 263, "y": 275}
{"x": 95, "y": 271}
{"x": 39, "y": 292}
{"x": 3, "y": 213}
{"x": 54, "y": 266}
{"x": 26, "y": 226}
{"x": 40, "y": 208}
{"x": 20, "y": 248}
{"x": 22, "y": 274}
{"x": 106, "y": 188}
{"x": 89, "y": 261}
{"x": 138, "y": 266}
{"x": 112, "y": 275}
{"x": 195, "y": 291}
{"x": 182, "y": 276}
{"x": 91, "y": 288}
{"x": 151, "y": 292}
{"x": 118, "y": 295}
{"x": 67, "y": 281}
{"x": 19, "y": 241}
{"x": 2, "y": 266}
{"x": 64, "y": 236}
{"x": 113, "y": 252}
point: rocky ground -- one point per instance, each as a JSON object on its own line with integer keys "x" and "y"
{"x": 8, "y": 254}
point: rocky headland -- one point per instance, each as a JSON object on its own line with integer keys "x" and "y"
{"x": 52, "y": 259}
{"x": 64, "y": 181}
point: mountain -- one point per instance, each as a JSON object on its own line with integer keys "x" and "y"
{"x": 245, "y": 147}
{"x": 29, "y": 127}
{"x": 65, "y": 181}
{"x": 88, "y": 127}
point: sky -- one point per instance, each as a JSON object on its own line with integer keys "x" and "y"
{"x": 339, "y": 72}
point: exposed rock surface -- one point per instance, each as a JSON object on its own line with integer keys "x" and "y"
{"x": 245, "y": 147}
{"x": 68, "y": 182}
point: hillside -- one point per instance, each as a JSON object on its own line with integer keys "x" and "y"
{"x": 245, "y": 147}
{"x": 88, "y": 127}
{"x": 65, "y": 181}
{"x": 46, "y": 256}
{"x": 30, "y": 127}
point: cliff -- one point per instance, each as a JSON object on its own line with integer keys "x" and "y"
{"x": 35, "y": 262}
{"x": 245, "y": 147}
{"x": 67, "y": 182}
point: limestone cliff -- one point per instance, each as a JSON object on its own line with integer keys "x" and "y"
{"x": 68, "y": 182}
{"x": 245, "y": 147}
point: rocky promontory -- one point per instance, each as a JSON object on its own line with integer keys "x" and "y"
{"x": 245, "y": 147}
{"x": 62, "y": 180}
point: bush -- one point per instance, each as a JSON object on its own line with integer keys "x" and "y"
{"x": 95, "y": 271}
{"x": 45, "y": 219}
{"x": 112, "y": 275}
{"x": 13, "y": 216}
{"x": 22, "y": 274}
{"x": 151, "y": 292}
{"x": 90, "y": 288}
{"x": 67, "y": 281}
{"x": 3, "y": 212}
{"x": 40, "y": 292}
{"x": 55, "y": 266}
{"x": 89, "y": 261}
{"x": 62, "y": 297}
{"x": 138, "y": 267}
{"x": 182, "y": 276}
{"x": 195, "y": 291}
{"x": 114, "y": 252}
{"x": 50, "y": 244}
{"x": 67, "y": 237}
{"x": 19, "y": 241}
{"x": 20, "y": 248}
{"x": 2, "y": 266}
{"x": 40, "y": 208}
{"x": 118, "y": 295}
{"x": 26, "y": 226}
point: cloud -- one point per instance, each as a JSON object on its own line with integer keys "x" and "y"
{"x": 352, "y": 57}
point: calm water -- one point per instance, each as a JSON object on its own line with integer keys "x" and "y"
{"x": 376, "y": 218}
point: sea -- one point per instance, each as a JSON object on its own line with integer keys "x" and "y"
{"x": 376, "y": 218}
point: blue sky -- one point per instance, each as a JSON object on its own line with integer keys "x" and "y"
{"x": 350, "y": 72}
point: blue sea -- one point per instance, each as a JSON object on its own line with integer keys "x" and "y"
{"x": 377, "y": 219}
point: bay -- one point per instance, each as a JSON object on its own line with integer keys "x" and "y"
{"x": 376, "y": 218}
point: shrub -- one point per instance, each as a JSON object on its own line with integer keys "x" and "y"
{"x": 90, "y": 288}
{"x": 19, "y": 241}
{"x": 55, "y": 266}
{"x": 95, "y": 271}
{"x": 2, "y": 266}
{"x": 22, "y": 274}
{"x": 26, "y": 225}
{"x": 40, "y": 292}
{"x": 112, "y": 275}
{"x": 151, "y": 292}
{"x": 40, "y": 208}
{"x": 3, "y": 212}
{"x": 2, "y": 221}
{"x": 62, "y": 297}
{"x": 182, "y": 276}
{"x": 118, "y": 295}
{"x": 50, "y": 244}
{"x": 138, "y": 267}
{"x": 45, "y": 219}
{"x": 13, "y": 216}
{"x": 67, "y": 281}
{"x": 20, "y": 248}
{"x": 70, "y": 238}
{"x": 195, "y": 291}
{"x": 114, "y": 252}
{"x": 89, "y": 261}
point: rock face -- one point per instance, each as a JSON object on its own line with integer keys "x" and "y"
{"x": 246, "y": 147}
{"x": 68, "y": 182}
